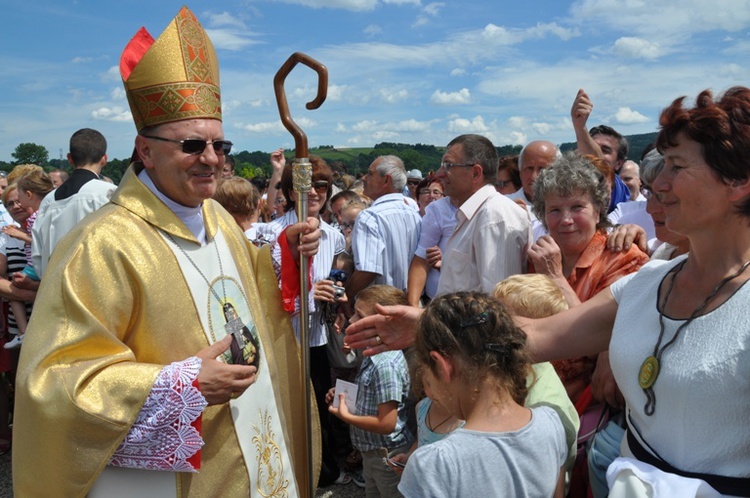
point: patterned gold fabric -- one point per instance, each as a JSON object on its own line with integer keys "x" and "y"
{"x": 176, "y": 78}
{"x": 112, "y": 310}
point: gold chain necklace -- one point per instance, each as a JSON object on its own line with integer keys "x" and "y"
{"x": 650, "y": 367}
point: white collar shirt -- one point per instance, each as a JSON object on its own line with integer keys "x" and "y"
{"x": 489, "y": 243}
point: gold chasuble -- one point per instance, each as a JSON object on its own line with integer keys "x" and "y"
{"x": 120, "y": 301}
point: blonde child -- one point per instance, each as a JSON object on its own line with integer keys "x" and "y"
{"x": 477, "y": 368}
{"x": 537, "y": 296}
{"x": 32, "y": 188}
{"x": 379, "y": 419}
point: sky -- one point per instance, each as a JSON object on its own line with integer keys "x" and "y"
{"x": 407, "y": 71}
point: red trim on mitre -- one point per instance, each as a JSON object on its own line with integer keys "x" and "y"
{"x": 134, "y": 52}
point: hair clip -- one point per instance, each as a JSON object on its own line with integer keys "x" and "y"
{"x": 497, "y": 348}
{"x": 475, "y": 320}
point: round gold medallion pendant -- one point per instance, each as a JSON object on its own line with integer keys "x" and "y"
{"x": 648, "y": 373}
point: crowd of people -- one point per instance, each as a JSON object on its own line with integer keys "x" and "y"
{"x": 545, "y": 324}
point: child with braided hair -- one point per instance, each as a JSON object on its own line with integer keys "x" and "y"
{"x": 477, "y": 368}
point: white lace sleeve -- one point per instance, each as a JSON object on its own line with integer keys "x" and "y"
{"x": 163, "y": 437}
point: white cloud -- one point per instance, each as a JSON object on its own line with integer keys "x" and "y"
{"x": 112, "y": 74}
{"x": 541, "y": 128}
{"x": 462, "y": 125}
{"x": 80, "y": 60}
{"x": 115, "y": 113}
{"x": 118, "y": 93}
{"x": 230, "y": 39}
{"x": 420, "y": 21}
{"x": 336, "y": 92}
{"x": 355, "y": 5}
{"x": 394, "y": 96}
{"x": 405, "y": 126}
{"x": 225, "y": 19}
{"x": 541, "y": 30}
{"x": 491, "y": 42}
{"x": 372, "y": 30}
{"x": 365, "y": 125}
{"x": 637, "y": 48}
{"x": 428, "y": 11}
{"x": 402, "y": 2}
{"x": 275, "y": 127}
{"x": 451, "y": 98}
{"x": 625, "y": 115}
{"x": 665, "y": 22}
{"x": 517, "y": 122}
{"x": 433, "y": 9}
{"x": 384, "y": 135}
{"x": 516, "y": 138}
{"x": 458, "y": 72}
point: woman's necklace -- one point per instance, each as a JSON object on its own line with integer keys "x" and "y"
{"x": 650, "y": 368}
{"x": 434, "y": 428}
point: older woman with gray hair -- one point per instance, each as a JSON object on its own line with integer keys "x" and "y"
{"x": 571, "y": 198}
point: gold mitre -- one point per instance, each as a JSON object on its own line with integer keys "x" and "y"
{"x": 173, "y": 78}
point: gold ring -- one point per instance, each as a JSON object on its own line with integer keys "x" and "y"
{"x": 234, "y": 395}
{"x": 378, "y": 340}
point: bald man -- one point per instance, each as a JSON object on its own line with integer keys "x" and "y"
{"x": 630, "y": 176}
{"x": 536, "y": 156}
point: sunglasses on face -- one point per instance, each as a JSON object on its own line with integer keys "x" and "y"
{"x": 413, "y": 182}
{"x": 196, "y": 146}
{"x": 320, "y": 186}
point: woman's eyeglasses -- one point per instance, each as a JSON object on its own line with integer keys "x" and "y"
{"x": 435, "y": 193}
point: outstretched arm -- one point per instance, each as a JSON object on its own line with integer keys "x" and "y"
{"x": 584, "y": 330}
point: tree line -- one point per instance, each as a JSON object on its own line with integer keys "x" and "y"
{"x": 353, "y": 161}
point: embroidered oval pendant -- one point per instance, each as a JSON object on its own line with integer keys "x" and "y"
{"x": 648, "y": 373}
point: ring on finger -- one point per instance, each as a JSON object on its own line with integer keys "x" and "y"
{"x": 378, "y": 340}
{"x": 234, "y": 395}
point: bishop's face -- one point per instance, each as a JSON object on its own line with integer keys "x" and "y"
{"x": 187, "y": 179}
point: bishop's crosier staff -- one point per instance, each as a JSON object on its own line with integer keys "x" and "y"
{"x": 302, "y": 175}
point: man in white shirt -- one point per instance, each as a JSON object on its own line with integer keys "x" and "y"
{"x": 385, "y": 235}
{"x": 492, "y": 232}
{"x": 82, "y": 193}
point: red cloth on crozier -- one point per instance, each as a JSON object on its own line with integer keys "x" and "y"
{"x": 290, "y": 278}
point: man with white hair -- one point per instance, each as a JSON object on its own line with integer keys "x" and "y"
{"x": 534, "y": 157}
{"x": 385, "y": 235}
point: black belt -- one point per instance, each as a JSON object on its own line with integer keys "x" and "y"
{"x": 738, "y": 486}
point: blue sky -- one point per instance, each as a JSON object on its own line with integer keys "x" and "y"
{"x": 399, "y": 70}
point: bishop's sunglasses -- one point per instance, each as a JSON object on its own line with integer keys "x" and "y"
{"x": 196, "y": 146}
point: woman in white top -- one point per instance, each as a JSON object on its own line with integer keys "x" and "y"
{"x": 679, "y": 332}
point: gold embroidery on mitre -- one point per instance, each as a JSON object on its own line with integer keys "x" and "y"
{"x": 272, "y": 481}
{"x": 177, "y": 78}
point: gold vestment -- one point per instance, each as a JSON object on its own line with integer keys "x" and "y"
{"x": 113, "y": 309}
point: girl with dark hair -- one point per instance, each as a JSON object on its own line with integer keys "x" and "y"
{"x": 476, "y": 366}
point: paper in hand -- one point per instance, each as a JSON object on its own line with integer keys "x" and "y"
{"x": 349, "y": 391}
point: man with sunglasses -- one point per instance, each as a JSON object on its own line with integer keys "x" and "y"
{"x": 136, "y": 380}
